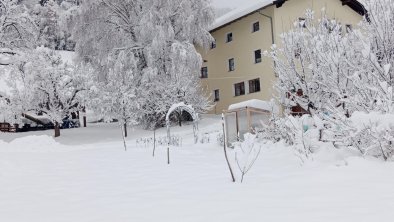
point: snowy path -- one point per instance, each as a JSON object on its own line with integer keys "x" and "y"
{"x": 49, "y": 182}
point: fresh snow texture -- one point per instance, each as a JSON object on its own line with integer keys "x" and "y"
{"x": 235, "y": 14}
{"x": 363, "y": 120}
{"x": 85, "y": 175}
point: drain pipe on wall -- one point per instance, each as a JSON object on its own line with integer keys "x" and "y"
{"x": 272, "y": 26}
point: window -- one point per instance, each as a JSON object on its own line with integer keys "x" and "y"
{"x": 302, "y": 22}
{"x": 204, "y": 72}
{"x": 229, "y": 37}
{"x": 231, "y": 65}
{"x": 239, "y": 89}
{"x": 254, "y": 85}
{"x": 213, "y": 44}
{"x": 257, "y": 56}
{"x": 349, "y": 28}
{"x": 216, "y": 95}
{"x": 256, "y": 27}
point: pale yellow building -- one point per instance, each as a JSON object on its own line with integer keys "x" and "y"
{"x": 234, "y": 69}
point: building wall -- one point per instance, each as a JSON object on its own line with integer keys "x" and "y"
{"x": 245, "y": 43}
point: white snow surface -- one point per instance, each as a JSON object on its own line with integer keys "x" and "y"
{"x": 362, "y": 120}
{"x": 235, "y": 14}
{"x": 85, "y": 175}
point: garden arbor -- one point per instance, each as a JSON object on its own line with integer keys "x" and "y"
{"x": 180, "y": 107}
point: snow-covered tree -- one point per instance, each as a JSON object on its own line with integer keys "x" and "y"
{"x": 17, "y": 31}
{"x": 58, "y": 86}
{"x": 117, "y": 98}
{"x": 333, "y": 71}
{"x": 45, "y": 84}
{"x": 161, "y": 35}
{"x": 246, "y": 154}
{"x": 53, "y": 19}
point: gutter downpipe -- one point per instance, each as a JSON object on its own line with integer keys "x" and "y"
{"x": 272, "y": 33}
{"x": 272, "y": 26}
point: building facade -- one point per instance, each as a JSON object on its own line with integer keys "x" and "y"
{"x": 234, "y": 69}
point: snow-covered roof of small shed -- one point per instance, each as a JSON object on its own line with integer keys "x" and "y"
{"x": 253, "y": 103}
{"x": 240, "y": 12}
{"x": 4, "y": 60}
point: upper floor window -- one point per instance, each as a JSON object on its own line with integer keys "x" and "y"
{"x": 216, "y": 94}
{"x": 231, "y": 64}
{"x": 213, "y": 44}
{"x": 229, "y": 37}
{"x": 257, "y": 56}
{"x": 256, "y": 27}
{"x": 204, "y": 72}
{"x": 239, "y": 89}
{"x": 254, "y": 85}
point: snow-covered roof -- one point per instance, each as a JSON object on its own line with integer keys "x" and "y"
{"x": 4, "y": 60}
{"x": 253, "y": 103}
{"x": 254, "y": 5}
{"x": 250, "y": 7}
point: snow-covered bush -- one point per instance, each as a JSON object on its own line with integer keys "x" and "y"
{"x": 246, "y": 153}
{"x": 373, "y": 134}
{"x": 332, "y": 72}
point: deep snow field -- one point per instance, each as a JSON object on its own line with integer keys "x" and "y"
{"x": 86, "y": 175}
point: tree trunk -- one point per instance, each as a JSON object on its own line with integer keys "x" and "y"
{"x": 154, "y": 141}
{"x": 57, "y": 129}
{"x": 225, "y": 151}
{"x": 180, "y": 119}
{"x": 84, "y": 116}
{"x": 125, "y": 130}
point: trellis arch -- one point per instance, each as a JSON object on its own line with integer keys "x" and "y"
{"x": 180, "y": 107}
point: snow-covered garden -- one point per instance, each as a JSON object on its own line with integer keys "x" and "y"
{"x": 86, "y": 175}
{"x": 149, "y": 153}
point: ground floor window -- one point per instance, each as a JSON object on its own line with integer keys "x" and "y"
{"x": 239, "y": 89}
{"x": 254, "y": 85}
{"x": 204, "y": 72}
{"x": 216, "y": 94}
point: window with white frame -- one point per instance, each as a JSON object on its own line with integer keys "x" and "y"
{"x": 231, "y": 65}
{"x": 229, "y": 37}
{"x": 204, "y": 72}
{"x": 257, "y": 56}
{"x": 254, "y": 85}
{"x": 216, "y": 94}
{"x": 256, "y": 27}
{"x": 239, "y": 89}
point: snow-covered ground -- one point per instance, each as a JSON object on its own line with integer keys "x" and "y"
{"x": 86, "y": 175}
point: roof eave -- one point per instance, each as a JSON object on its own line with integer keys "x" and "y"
{"x": 235, "y": 20}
